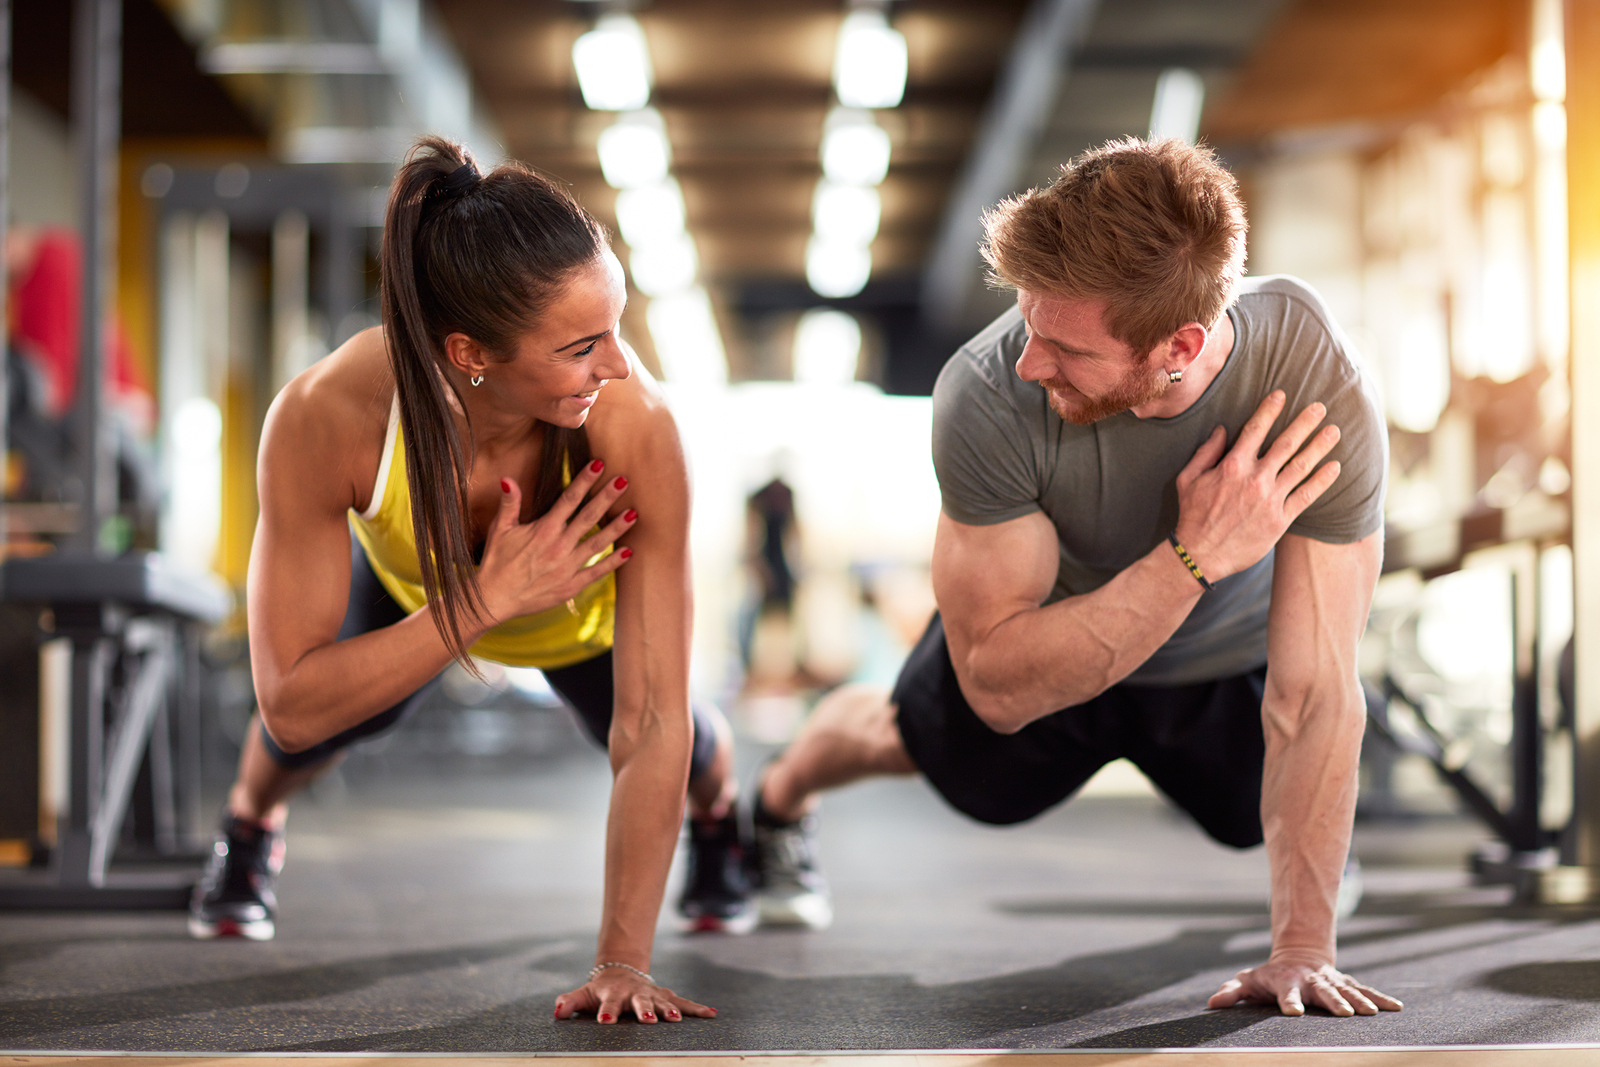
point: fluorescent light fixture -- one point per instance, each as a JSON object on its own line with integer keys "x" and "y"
{"x": 1550, "y": 124}
{"x": 687, "y": 340}
{"x": 665, "y": 267}
{"x": 847, "y": 214}
{"x": 613, "y": 65}
{"x": 827, "y": 347}
{"x": 1180, "y": 94}
{"x": 1548, "y": 61}
{"x": 855, "y": 150}
{"x": 869, "y": 64}
{"x": 651, "y": 214}
{"x": 837, "y": 268}
{"x": 634, "y": 150}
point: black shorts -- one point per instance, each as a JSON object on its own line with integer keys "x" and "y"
{"x": 587, "y": 687}
{"x": 1199, "y": 744}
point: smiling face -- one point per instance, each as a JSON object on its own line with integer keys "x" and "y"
{"x": 560, "y": 367}
{"x": 1088, "y": 374}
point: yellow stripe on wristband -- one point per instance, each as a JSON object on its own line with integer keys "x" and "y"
{"x": 1188, "y": 561}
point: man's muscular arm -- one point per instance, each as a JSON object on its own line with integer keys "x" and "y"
{"x": 1313, "y": 715}
{"x": 1018, "y": 661}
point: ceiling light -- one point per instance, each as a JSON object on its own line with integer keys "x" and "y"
{"x": 855, "y": 150}
{"x": 827, "y": 347}
{"x": 836, "y": 268}
{"x": 846, "y": 213}
{"x": 665, "y": 267}
{"x": 1550, "y": 124}
{"x": 650, "y": 214}
{"x": 1180, "y": 94}
{"x": 1548, "y": 62}
{"x": 687, "y": 340}
{"x": 613, "y": 65}
{"x": 869, "y": 65}
{"x": 634, "y": 150}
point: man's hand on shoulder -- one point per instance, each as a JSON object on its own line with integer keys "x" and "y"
{"x": 1233, "y": 508}
{"x": 1293, "y": 986}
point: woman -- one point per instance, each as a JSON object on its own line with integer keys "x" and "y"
{"x": 498, "y": 422}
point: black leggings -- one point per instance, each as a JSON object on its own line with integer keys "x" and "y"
{"x": 587, "y": 687}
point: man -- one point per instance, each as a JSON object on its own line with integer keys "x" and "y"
{"x": 1114, "y": 578}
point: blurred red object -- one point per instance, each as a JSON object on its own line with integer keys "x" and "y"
{"x": 45, "y": 265}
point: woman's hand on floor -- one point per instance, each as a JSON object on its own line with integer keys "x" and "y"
{"x": 1292, "y": 986}
{"x": 614, "y": 990}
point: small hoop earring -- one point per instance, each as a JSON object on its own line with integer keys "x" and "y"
{"x": 1173, "y": 376}
{"x": 476, "y": 379}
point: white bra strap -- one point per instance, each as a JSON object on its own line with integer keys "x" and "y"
{"x": 382, "y": 482}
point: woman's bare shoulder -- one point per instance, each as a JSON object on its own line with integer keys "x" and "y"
{"x": 632, "y": 419}
{"x": 329, "y": 421}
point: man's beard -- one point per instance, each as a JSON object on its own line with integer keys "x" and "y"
{"x": 1140, "y": 386}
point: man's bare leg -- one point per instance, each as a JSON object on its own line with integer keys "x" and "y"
{"x": 851, "y": 735}
{"x": 713, "y": 791}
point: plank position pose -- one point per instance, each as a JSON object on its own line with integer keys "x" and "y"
{"x": 497, "y": 423}
{"x": 1115, "y": 579}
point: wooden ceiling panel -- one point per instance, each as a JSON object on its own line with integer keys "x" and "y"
{"x": 739, "y": 133}
{"x": 1330, "y": 61}
{"x": 744, "y": 88}
{"x": 954, "y": 45}
{"x": 736, "y": 253}
{"x": 728, "y": 48}
{"x": 517, "y": 45}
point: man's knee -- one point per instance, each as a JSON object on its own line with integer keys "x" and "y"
{"x": 861, "y": 716}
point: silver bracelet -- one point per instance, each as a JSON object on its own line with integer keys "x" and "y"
{"x": 597, "y": 968}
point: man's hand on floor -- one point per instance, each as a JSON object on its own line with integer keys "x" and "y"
{"x": 1292, "y": 986}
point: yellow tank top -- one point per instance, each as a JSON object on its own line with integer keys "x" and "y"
{"x": 557, "y": 637}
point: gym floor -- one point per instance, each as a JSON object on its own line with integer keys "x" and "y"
{"x": 440, "y": 906}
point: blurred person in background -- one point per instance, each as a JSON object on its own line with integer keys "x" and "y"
{"x": 767, "y": 637}
{"x": 517, "y": 491}
{"x": 1115, "y": 580}
{"x": 44, "y": 266}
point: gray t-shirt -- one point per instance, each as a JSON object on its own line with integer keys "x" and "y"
{"x": 1001, "y": 452}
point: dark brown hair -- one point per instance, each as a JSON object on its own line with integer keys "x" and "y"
{"x": 1155, "y": 229}
{"x": 480, "y": 255}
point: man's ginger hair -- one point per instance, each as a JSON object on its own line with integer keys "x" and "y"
{"x": 1155, "y": 229}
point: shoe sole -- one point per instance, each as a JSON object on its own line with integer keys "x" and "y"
{"x": 260, "y": 930}
{"x": 714, "y": 924}
{"x": 811, "y": 912}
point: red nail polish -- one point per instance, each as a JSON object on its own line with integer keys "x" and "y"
{"x": 605, "y": 1017}
{"x": 627, "y": 553}
{"x": 629, "y": 515}
{"x": 597, "y": 466}
{"x": 505, "y": 485}
{"x": 620, "y": 484}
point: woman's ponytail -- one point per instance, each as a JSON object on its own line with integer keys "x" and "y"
{"x": 479, "y": 255}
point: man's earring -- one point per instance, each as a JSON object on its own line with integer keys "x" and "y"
{"x": 477, "y": 379}
{"x": 1173, "y": 376}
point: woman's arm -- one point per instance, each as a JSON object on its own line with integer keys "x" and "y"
{"x": 320, "y": 443}
{"x": 309, "y": 685}
{"x": 651, "y": 728}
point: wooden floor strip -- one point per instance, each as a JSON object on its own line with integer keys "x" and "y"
{"x": 1525, "y": 1056}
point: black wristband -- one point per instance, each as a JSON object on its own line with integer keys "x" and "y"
{"x": 1188, "y": 561}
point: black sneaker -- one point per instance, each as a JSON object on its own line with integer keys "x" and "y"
{"x": 716, "y": 893}
{"x": 789, "y": 890}
{"x": 234, "y": 898}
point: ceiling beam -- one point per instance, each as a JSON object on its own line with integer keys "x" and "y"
{"x": 1023, "y": 100}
